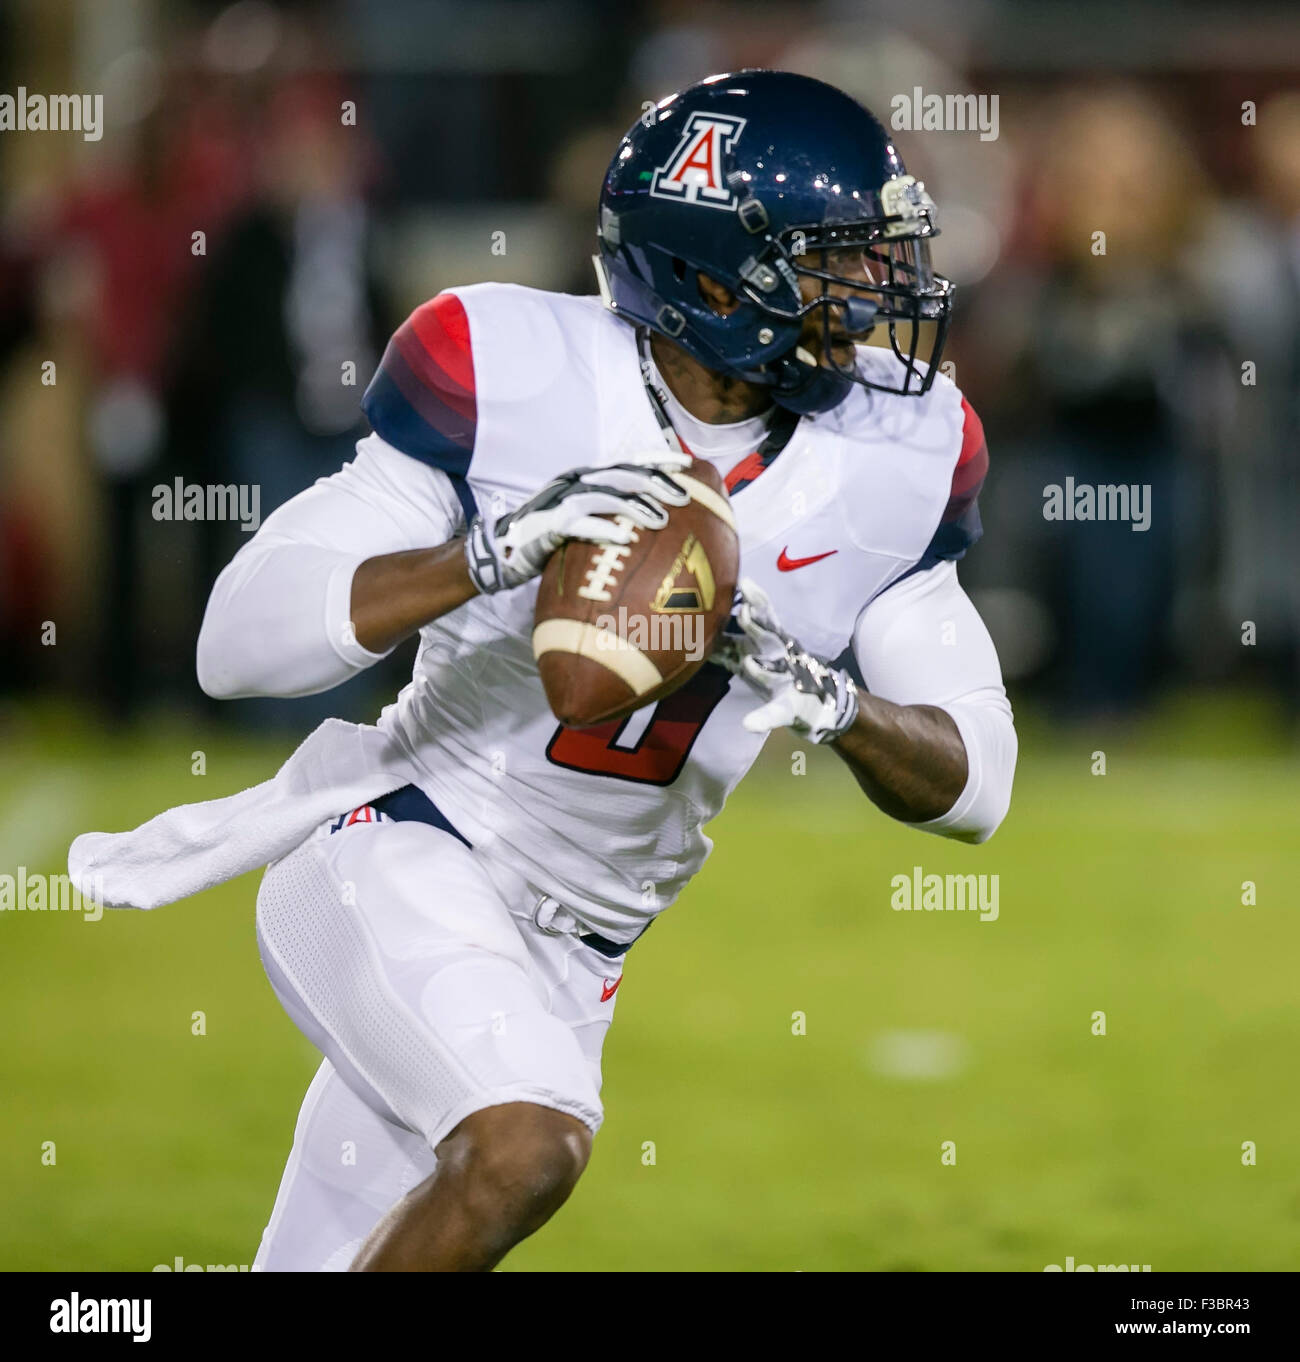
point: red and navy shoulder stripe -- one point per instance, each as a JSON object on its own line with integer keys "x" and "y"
{"x": 960, "y": 526}
{"x": 422, "y": 398}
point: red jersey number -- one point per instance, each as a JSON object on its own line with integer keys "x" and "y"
{"x": 660, "y": 753}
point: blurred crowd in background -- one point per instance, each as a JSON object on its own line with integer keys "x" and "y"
{"x": 481, "y": 132}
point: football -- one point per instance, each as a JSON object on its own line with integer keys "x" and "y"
{"x": 617, "y": 626}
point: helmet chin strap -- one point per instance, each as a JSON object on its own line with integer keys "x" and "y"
{"x": 798, "y": 383}
{"x": 802, "y": 385}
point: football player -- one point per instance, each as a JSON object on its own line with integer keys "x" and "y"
{"x": 453, "y": 936}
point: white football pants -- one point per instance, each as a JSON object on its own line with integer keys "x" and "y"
{"x": 419, "y": 970}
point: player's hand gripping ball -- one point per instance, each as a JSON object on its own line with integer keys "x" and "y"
{"x": 801, "y": 691}
{"x": 621, "y": 623}
{"x": 601, "y": 504}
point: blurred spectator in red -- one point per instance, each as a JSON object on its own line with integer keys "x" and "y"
{"x": 126, "y": 237}
{"x": 284, "y": 333}
{"x": 22, "y": 554}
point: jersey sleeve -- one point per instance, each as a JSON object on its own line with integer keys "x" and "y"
{"x": 422, "y": 398}
{"x": 278, "y": 621}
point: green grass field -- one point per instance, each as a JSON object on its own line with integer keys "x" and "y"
{"x": 1118, "y": 893}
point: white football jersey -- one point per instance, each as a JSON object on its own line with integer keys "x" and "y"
{"x": 502, "y": 388}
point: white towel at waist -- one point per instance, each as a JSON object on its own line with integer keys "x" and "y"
{"x": 194, "y": 846}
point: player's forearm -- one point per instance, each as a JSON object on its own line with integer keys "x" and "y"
{"x": 923, "y": 644}
{"x": 279, "y": 621}
{"x": 295, "y": 619}
{"x": 946, "y": 770}
{"x": 398, "y": 593}
{"x": 909, "y": 759}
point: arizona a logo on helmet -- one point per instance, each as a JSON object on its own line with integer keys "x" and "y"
{"x": 694, "y": 170}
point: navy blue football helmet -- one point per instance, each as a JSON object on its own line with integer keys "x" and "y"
{"x": 761, "y": 179}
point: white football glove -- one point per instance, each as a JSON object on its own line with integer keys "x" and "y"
{"x": 802, "y": 691}
{"x": 514, "y": 548}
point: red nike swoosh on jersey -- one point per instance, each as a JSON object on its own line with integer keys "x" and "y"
{"x": 787, "y": 564}
{"x": 608, "y": 990}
